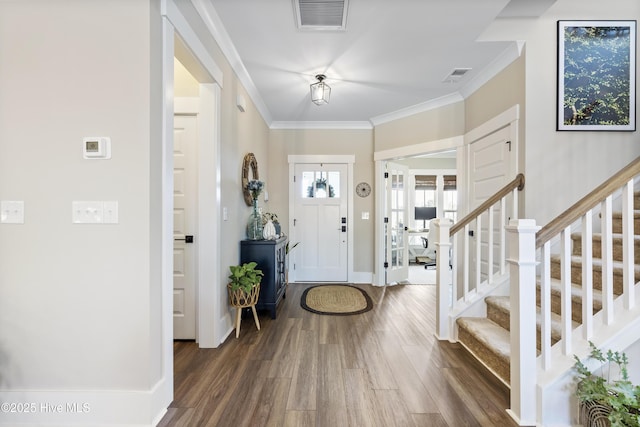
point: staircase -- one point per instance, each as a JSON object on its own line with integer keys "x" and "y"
{"x": 488, "y": 339}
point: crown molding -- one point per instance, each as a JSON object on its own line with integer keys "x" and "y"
{"x": 321, "y": 125}
{"x": 510, "y": 54}
{"x": 418, "y": 108}
{"x": 219, "y": 33}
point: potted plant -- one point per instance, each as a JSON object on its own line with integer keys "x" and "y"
{"x": 244, "y": 289}
{"x": 607, "y": 401}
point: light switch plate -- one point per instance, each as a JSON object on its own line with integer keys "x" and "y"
{"x": 87, "y": 212}
{"x": 110, "y": 212}
{"x": 12, "y": 212}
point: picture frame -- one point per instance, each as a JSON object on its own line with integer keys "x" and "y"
{"x": 596, "y": 75}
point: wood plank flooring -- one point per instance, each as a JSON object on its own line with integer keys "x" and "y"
{"x": 381, "y": 368}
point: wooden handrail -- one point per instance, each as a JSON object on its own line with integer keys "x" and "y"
{"x": 588, "y": 202}
{"x": 518, "y": 182}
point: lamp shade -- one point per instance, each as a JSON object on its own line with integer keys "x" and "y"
{"x": 320, "y": 91}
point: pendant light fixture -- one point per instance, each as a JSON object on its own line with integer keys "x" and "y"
{"x": 320, "y": 91}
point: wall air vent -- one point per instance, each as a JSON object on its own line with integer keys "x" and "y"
{"x": 456, "y": 75}
{"x": 321, "y": 15}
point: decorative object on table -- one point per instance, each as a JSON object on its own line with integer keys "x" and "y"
{"x": 363, "y": 189}
{"x": 596, "y": 75}
{"x": 605, "y": 401}
{"x": 269, "y": 231}
{"x": 270, "y": 216}
{"x": 337, "y": 300}
{"x": 249, "y": 173}
{"x": 254, "y": 225}
{"x": 244, "y": 290}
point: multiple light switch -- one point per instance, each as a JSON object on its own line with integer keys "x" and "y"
{"x": 11, "y": 212}
{"x": 94, "y": 212}
{"x": 100, "y": 212}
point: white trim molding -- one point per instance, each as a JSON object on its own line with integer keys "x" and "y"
{"x": 421, "y": 148}
{"x": 321, "y": 125}
{"x": 349, "y": 160}
{"x": 432, "y": 104}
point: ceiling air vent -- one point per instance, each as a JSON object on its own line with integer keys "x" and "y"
{"x": 327, "y": 15}
{"x": 456, "y": 75}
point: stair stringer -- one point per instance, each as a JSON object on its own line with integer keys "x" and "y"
{"x": 557, "y": 405}
{"x": 475, "y": 305}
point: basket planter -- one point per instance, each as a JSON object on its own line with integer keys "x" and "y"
{"x": 594, "y": 414}
{"x": 240, "y": 299}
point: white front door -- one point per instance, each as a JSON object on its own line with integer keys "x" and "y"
{"x": 491, "y": 168}
{"x": 320, "y": 221}
{"x": 396, "y": 222}
{"x": 184, "y": 223}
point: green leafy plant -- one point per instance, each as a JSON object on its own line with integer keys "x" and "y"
{"x": 619, "y": 394}
{"x": 244, "y": 276}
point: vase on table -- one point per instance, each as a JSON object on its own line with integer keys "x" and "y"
{"x": 254, "y": 225}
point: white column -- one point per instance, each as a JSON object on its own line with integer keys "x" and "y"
{"x": 522, "y": 271}
{"x": 443, "y": 278}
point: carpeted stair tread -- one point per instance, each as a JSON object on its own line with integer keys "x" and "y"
{"x": 597, "y": 244}
{"x": 489, "y": 333}
{"x": 576, "y": 299}
{"x": 576, "y": 272}
{"x": 503, "y": 304}
{"x": 576, "y": 293}
{"x": 617, "y": 220}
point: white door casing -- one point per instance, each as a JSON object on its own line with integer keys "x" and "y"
{"x": 396, "y": 222}
{"x": 320, "y": 222}
{"x": 184, "y": 224}
{"x": 380, "y": 158}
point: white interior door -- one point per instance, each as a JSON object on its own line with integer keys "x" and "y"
{"x": 396, "y": 222}
{"x": 320, "y": 221}
{"x": 491, "y": 168}
{"x": 184, "y": 224}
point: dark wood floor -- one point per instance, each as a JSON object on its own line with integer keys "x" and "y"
{"x": 381, "y": 368}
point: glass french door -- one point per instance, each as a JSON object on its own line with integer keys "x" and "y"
{"x": 396, "y": 223}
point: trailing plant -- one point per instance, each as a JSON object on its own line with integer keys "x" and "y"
{"x": 619, "y": 394}
{"x": 244, "y": 276}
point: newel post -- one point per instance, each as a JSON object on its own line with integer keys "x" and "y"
{"x": 443, "y": 277}
{"x": 522, "y": 273}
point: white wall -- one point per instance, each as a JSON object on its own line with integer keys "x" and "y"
{"x": 565, "y": 164}
{"x": 79, "y": 304}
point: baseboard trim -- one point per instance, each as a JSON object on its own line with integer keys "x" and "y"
{"x": 63, "y": 408}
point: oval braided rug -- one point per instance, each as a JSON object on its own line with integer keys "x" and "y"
{"x": 339, "y": 300}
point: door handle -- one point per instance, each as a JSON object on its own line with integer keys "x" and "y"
{"x": 344, "y": 228}
{"x": 186, "y": 239}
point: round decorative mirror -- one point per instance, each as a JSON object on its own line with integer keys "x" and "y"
{"x": 249, "y": 172}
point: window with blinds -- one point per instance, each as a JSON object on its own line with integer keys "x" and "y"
{"x": 438, "y": 191}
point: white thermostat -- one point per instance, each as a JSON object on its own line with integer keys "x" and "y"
{"x": 96, "y": 147}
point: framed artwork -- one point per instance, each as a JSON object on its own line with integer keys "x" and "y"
{"x": 596, "y": 76}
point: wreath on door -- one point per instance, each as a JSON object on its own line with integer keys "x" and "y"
{"x": 320, "y": 184}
